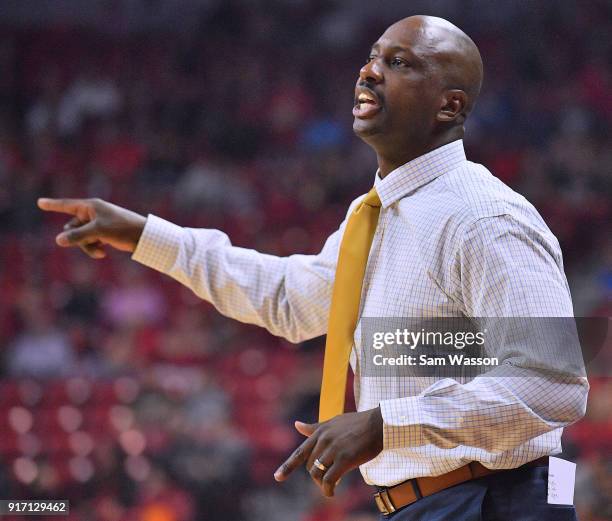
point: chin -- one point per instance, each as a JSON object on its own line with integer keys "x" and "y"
{"x": 371, "y": 135}
{"x": 363, "y": 129}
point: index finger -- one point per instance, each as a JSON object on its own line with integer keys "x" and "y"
{"x": 297, "y": 458}
{"x": 69, "y": 206}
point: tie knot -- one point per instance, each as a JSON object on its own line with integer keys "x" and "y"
{"x": 372, "y": 199}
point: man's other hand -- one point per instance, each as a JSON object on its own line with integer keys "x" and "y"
{"x": 340, "y": 445}
{"x": 96, "y": 223}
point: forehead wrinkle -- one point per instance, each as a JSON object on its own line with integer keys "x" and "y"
{"x": 388, "y": 43}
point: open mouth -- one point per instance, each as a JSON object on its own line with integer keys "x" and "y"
{"x": 366, "y": 106}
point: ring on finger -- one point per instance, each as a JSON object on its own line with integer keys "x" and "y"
{"x": 317, "y": 463}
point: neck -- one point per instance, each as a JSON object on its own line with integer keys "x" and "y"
{"x": 389, "y": 161}
{"x": 386, "y": 165}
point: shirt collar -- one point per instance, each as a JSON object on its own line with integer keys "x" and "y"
{"x": 418, "y": 172}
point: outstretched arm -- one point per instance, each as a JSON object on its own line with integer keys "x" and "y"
{"x": 289, "y": 296}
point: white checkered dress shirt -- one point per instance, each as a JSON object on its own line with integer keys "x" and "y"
{"x": 452, "y": 240}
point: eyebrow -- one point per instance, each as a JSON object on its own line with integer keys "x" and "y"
{"x": 400, "y": 48}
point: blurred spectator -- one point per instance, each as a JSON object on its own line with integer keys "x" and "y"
{"x": 212, "y": 188}
{"x": 133, "y": 301}
{"x": 594, "y": 490}
{"x": 41, "y": 349}
{"x": 80, "y": 302}
{"x": 90, "y": 95}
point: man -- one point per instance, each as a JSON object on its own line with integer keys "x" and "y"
{"x": 438, "y": 236}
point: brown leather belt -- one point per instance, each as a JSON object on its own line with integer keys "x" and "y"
{"x": 390, "y": 499}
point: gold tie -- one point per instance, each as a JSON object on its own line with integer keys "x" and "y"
{"x": 346, "y": 295}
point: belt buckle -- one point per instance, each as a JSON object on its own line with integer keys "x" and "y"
{"x": 383, "y": 502}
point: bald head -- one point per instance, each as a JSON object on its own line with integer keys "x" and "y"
{"x": 416, "y": 89}
{"x": 446, "y": 48}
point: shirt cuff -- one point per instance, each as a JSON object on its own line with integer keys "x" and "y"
{"x": 402, "y": 423}
{"x": 159, "y": 244}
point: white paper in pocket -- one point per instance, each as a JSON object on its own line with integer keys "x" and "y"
{"x": 561, "y": 481}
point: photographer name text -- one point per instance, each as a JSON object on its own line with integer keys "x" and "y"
{"x": 413, "y": 339}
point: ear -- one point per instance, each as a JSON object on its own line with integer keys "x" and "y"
{"x": 452, "y": 105}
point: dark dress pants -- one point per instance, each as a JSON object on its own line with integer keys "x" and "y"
{"x": 513, "y": 495}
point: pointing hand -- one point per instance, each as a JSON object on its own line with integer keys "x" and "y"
{"x": 96, "y": 223}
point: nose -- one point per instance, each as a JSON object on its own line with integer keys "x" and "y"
{"x": 371, "y": 72}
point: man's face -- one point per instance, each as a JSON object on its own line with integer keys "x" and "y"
{"x": 397, "y": 94}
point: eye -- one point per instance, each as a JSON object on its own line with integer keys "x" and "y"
{"x": 370, "y": 58}
{"x": 398, "y": 62}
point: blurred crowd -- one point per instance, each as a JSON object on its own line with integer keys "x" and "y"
{"x": 120, "y": 389}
